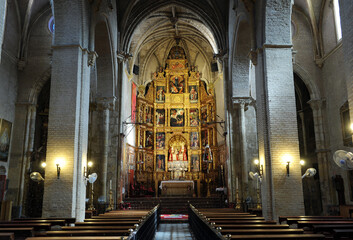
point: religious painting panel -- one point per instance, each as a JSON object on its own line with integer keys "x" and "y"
{"x": 160, "y": 140}
{"x": 141, "y": 137}
{"x": 141, "y": 113}
{"x": 160, "y": 94}
{"x": 193, "y": 93}
{"x": 148, "y": 115}
{"x": 176, "y": 84}
{"x": 160, "y": 117}
{"x": 204, "y": 114}
{"x": 160, "y": 163}
{"x": 149, "y": 139}
{"x": 211, "y": 137}
{"x": 194, "y": 140}
{"x": 194, "y": 117}
{"x": 204, "y": 137}
{"x": 149, "y": 161}
{"x": 5, "y": 135}
{"x": 195, "y": 163}
{"x": 177, "y": 117}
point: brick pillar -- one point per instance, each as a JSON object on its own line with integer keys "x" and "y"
{"x": 68, "y": 113}
{"x": 276, "y": 113}
{"x": 346, "y": 9}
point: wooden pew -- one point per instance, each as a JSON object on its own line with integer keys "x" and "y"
{"x": 127, "y": 227}
{"x": 72, "y": 233}
{"x": 295, "y": 220}
{"x": 261, "y": 231}
{"x": 309, "y": 224}
{"x": 284, "y": 218}
{"x": 7, "y": 236}
{"x": 67, "y": 220}
{"x": 244, "y": 222}
{"x": 51, "y": 222}
{"x": 79, "y": 238}
{"x": 280, "y": 236}
{"x": 330, "y": 227}
{"x": 19, "y": 232}
{"x": 252, "y": 226}
{"x": 120, "y": 223}
{"x": 35, "y": 226}
{"x": 111, "y": 219}
{"x": 234, "y": 218}
{"x": 340, "y": 233}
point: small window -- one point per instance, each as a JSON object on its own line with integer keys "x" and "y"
{"x": 336, "y": 13}
{"x": 51, "y": 25}
{"x": 346, "y": 125}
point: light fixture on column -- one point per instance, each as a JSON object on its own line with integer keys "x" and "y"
{"x": 259, "y": 167}
{"x": 43, "y": 164}
{"x": 287, "y": 166}
{"x": 58, "y": 162}
{"x": 287, "y": 160}
{"x": 351, "y": 127}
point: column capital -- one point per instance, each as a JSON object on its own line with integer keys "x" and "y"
{"x": 106, "y": 103}
{"x": 243, "y": 101}
{"x": 92, "y": 56}
{"x": 316, "y": 104}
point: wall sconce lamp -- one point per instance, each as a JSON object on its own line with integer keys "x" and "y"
{"x": 58, "y": 163}
{"x": 259, "y": 167}
{"x": 351, "y": 127}
{"x": 43, "y": 164}
{"x": 86, "y": 173}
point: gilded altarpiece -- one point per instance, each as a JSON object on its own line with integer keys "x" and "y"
{"x": 176, "y": 121}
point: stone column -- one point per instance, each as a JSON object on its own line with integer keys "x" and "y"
{"x": 229, "y": 114}
{"x": 302, "y": 119}
{"x": 346, "y": 9}
{"x": 322, "y": 152}
{"x": 241, "y": 103}
{"x": 29, "y": 142}
{"x": 23, "y": 132}
{"x": 105, "y": 105}
{"x": 276, "y": 112}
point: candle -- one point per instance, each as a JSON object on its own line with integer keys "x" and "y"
{"x": 257, "y": 183}
{"x": 110, "y": 184}
{"x": 236, "y": 183}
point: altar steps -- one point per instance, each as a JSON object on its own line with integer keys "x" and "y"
{"x": 174, "y": 205}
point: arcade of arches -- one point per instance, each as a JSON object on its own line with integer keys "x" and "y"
{"x": 175, "y": 98}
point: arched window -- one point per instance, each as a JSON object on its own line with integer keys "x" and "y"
{"x": 51, "y": 25}
{"x": 336, "y": 14}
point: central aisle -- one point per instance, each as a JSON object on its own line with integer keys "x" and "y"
{"x": 173, "y": 231}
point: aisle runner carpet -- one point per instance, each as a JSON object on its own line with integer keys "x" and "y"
{"x": 174, "y": 216}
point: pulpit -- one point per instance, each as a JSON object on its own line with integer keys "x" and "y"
{"x": 177, "y": 188}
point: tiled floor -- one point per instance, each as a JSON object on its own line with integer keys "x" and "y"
{"x": 173, "y": 231}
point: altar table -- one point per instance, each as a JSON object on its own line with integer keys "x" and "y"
{"x": 177, "y": 188}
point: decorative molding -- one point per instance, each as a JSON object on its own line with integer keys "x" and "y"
{"x": 92, "y": 56}
{"x": 106, "y": 103}
{"x": 123, "y": 56}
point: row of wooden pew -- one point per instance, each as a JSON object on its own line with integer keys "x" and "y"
{"x": 336, "y": 227}
{"x": 234, "y": 225}
{"x": 122, "y": 225}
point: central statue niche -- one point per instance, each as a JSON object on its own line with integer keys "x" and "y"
{"x": 177, "y": 157}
